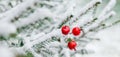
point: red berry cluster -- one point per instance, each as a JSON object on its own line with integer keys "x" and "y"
{"x": 75, "y": 31}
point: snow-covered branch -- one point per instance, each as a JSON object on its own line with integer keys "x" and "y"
{"x": 47, "y": 36}
{"x": 8, "y": 15}
{"x": 77, "y": 14}
{"x": 37, "y": 25}
{"x": 109, "y": 6}
{"x": 40, "y": 13}
{"x": 98, "y": 22}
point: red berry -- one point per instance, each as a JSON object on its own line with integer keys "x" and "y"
{"x": 72, "y": 45}
{"x": 65, "y": 30}
{"x": 76, "y": 31}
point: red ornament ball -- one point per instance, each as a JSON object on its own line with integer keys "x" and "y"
{"x": 72, "y": 45}
{"x": 65, "y": 30}
{"x": 76, "y": 31}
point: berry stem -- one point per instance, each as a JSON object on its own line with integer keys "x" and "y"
{"x": 74, "y": 49}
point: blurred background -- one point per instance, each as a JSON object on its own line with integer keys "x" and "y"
{"x": 110, "y": 37}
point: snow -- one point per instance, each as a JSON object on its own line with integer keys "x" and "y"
{"x": 5, "y": 52}
{"x": 78, "y": 14}
{"x": 17, "y": 51}
{"x": 110, "y": 41}
{"x": 100, "y": 20}
{"x": 108, "y": 46}
{"x": 39, "y": 14}
{"x": 109, "y": 6}
{"x": 23, "y": 6}
{"x": 36, "y": 36}
{"x": 89, "y": 5}
{"x": 7, "y": 28}
{"x": 47, "y": 36}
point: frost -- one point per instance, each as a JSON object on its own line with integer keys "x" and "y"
{"x": 40, "y": 13}
{"x": 38, "y": 23}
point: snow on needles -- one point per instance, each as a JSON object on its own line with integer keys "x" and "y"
{"x": 40, "y": 13}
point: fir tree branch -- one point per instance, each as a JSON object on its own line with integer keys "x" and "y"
{"x": 8, "y": 15}
{"x": 37, "y": 15}
{"x": 104, "y": 26}
{"x": 108, "y": 8}
{"x": 80, "y": 13}
{"x": 47, "y": 36}
{"x": 96, "y": 24}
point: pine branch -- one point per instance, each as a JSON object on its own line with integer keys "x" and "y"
{"x": 23, "y": 6}
{"x": 39, "y": 25}
{"x": 104, "y": 26}
{"x": 34, "y": 17}
{"x": 80, "y": 13}
{"x": 98, "y": 23}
